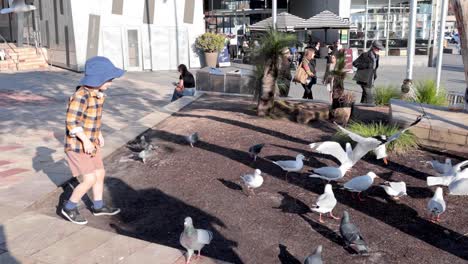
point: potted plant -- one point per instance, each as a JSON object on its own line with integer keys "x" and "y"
{"x": 211, "y": 44}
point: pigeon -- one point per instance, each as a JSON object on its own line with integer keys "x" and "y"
{"x": 192, "y": 139}
{"x": 352, "y": 236}
{"x": 193, "y": 239}
{"x": 146, "y": 153}
{"x": 441, "y": 168}
{"x": 140, "y": 145}
{"x": 377, "y": 143}
{"x": 334, "y": 149}
{"x": 436, "y": 205}
{"x": 291, "y": 165}
{"x": 143, "y": 143}
{"x": 360, "y": 183}
{"x": 253, "y": 181}
{"x": 316, "y": 257}
{"x": 452, "y": 173}
{"x": 325, "y": 203}
{"x": 255, "y": 150}
{"x": 395, "y": 189}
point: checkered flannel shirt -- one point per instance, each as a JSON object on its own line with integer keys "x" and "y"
{"x": 84, "y": 114}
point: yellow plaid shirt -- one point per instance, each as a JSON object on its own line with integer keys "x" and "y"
{"x": 84, "y": 113}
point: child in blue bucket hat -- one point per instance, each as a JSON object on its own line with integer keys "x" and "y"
{"x": 83, "y": 139}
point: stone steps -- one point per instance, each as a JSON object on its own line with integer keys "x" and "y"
{"x": 24, "y": 58}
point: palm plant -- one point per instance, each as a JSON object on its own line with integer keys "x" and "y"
{"x": 339, "y": 75}
{"x": 268, "y": 59}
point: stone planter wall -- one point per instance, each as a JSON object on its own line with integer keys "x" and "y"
{"x": 443, "y": 129}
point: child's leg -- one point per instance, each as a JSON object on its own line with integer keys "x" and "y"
{"x": 98, "y": 187}
{"x": 88, "y": 182}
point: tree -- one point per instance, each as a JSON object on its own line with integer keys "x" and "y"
{"x": 268, "y": 59}
{"x": 460, "y": 8}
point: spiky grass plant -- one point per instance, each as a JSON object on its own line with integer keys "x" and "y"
{"x": 383, "y": 94}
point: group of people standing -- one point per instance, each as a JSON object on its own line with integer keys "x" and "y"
{"x": 366, "y": 64}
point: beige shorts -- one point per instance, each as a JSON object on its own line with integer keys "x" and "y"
{"x": 82, "y": 164}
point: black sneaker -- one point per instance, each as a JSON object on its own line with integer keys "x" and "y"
{"x": 74, "y": 216}
{"x": 105, "y": 210}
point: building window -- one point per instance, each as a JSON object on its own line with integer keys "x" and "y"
{"x": 61, "y": 7}
{"x": 189, "y": 11}
{"x": 40, "y": 9}
{"x": 56, "y": 22}
{"x": 148, "y": 15}
{"x": 67, "y": 47}
{"x": 47, "y": 34}
{"x": 117, "y": 7}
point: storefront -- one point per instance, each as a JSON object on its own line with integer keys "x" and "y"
{"x": 388, "y": 21}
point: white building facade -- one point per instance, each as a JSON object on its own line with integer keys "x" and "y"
{"x": 135, "y": 35}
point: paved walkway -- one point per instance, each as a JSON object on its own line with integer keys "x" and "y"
{"x": 32, "y": 165}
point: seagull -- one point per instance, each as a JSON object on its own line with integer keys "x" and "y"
{"x": 17, "y": 6}
{"x": 253, "y": 181}
{"x": 441, "y": 168}
{"x": 395, "y": 189}
{"x": 325, "y": 203}
{"x": 377, "y": 143}
{"x": 459, "y": 186}
{"x": 450, "y": 175}
{"x": 352, "y": 236}
{"x": 192, "y": 139}
{"x": 436, "y": 205}
{"x": 334, "y": 149}
{"x": 291, "y": 165}
{"x": 360, "y": 183}
{"x": 193, "y": 239}
{"x": 316, "y": 257}
{"x": 146, "y": 153}
{"x": 255, "y": 150}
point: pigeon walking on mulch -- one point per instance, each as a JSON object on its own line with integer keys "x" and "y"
{"x": 193, "y": 239}
{"x": 352, "y": 236}
{"x": 316, "y": 257}
{"x": 192, "y": 139}
{"x": 255, "y": 150}
{"x": 146, "y": 153}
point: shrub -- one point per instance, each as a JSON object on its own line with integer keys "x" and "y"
{"x": 210, "y": 42}
{"x": 406, "y": 142}
{"x": 426, "y": 93}
{"x": 383, "y": 94}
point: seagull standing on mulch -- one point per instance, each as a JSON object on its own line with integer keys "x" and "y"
{"x": 192, "y": 139}
{"x": 325, "y": 203}
{"x": 316, "y": 257}
{"x": 395, "y": 189}
{"x": 255, "y": 150}
{"x": 352, "y": 236}
{"x": 436, "y": 205}
{"x": 253, "y": 181}
{"x": 334, "y": 149}
{"x": 291, "y": 165}
{"x": 360, "y": 183}
{"x": 193, "y": 239}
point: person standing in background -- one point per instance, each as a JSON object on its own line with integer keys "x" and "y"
{"x": 233, "y": 46}
{"x": 329, "y": 77}
{"x": 284, "y": 73}
{"x": 367, "y": 64}
{"x": 309, "y": 65}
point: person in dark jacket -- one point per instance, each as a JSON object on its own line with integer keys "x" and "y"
{"x": 186, "y": 84}
{"x": 367, "y": 64}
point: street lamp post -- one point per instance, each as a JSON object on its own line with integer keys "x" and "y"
{"x": 406, "y": 88}
{"x": 366, "y": 25}
{"x": 440, "y": 49}
{"x": 274, "y": 11}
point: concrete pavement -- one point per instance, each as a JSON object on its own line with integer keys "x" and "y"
{"x": 32, "y": 165}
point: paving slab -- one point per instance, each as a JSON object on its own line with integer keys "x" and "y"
{"x": 8, "y": 212}
{"x": 7, "y": 258}
{"x": 24, "y": 223}
{"x": 44, "y": 235}
{"x": 154, "y": 253}
{"x": 77, "y": 244}
{"x": 114, "y": 250}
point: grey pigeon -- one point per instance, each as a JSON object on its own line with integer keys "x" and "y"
{"x": 140, "y": 145}
{"x": 146, "y": 153}
{"x": 143, "y": 143}
{"x": 352, "y": 236}
{"x": 255, "y": 150}
{"x": 192, "y": 139}
{"x": 316, "y": 257}
{"x": 193, "y": 239}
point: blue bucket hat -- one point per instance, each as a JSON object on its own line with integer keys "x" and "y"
{"x": 99, "y": 70}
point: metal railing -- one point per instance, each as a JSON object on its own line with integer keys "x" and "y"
{"x": 13, "y": 49}
{"x": 456, "y": 99}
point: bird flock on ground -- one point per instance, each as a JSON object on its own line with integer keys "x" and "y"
{"x": 455, "y": 177}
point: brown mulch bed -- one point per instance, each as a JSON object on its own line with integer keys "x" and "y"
{"x": 275, "y": 226}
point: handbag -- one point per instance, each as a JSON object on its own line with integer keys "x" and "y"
{"x": 301, "y": 75}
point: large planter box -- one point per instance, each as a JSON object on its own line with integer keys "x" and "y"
{"x": 234, "y": 80}
{"x": 443, "y": 129}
